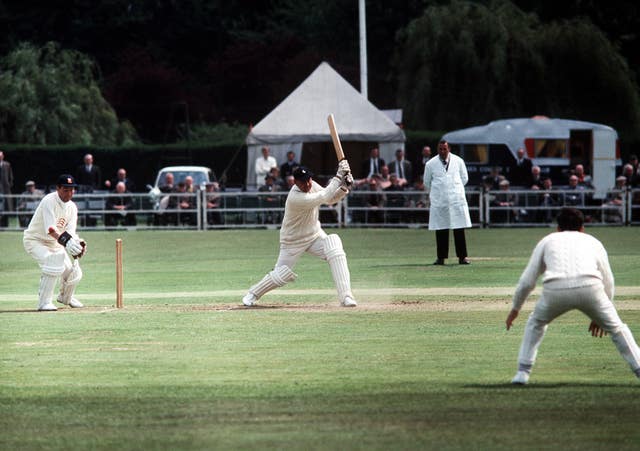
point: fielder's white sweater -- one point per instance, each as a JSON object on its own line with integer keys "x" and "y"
{"x": 300, "y": 225}
{"x": 566, "y": 260}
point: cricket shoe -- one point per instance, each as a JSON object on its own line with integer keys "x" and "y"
{"x": 348, "y": 301}
{"x": 73, "y": 303}
{"x": 521, "y": 378}
{"x": 47, "y": 307}
{"x": 249, "y": 299}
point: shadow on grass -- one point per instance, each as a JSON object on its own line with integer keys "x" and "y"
{"x": 544, "y": 385}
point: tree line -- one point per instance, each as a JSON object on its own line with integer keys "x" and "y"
{"x": 119, "y": 71}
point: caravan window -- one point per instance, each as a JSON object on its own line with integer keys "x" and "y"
{"x": 476, "y": 153}
{"x": 550, "y": 148}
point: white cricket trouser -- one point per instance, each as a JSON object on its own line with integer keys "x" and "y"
{"x": 590, "y": 300}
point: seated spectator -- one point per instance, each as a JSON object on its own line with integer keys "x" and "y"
{"x": 549, "y": 200}
{"x": 395, "y": 198}
{"x": 494, "y": 178}
{"x": 632, "y": 177}
{"x": 182, "y": 202}
{"x": 189, "y": 187}
{"x": 271, "y": 217}
{"x": 574, "y": 197}
{"x": 503, "y": 199}
{"x": 277, "y": 180}
{"x": 384, "y": 179}
{"x": 121, "y": 176}
{"x": 290, "y": 182}
{"x": 419, "y": 200}
{"x": 28, "y": 202}
{"x": 122, "y": 204}
{"x": 583, "y": 178}
{"x": 375, "y": 200}
{"x": 213, "y": 200}
{"x": 614, "y": 202}
{"x": 536, "y": 178}
{"x": 167, "y": 185}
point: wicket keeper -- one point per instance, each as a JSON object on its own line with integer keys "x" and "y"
{"x": 52, "y": 241}
{"x": 301, "y": 232}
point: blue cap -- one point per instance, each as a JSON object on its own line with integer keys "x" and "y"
{"x": 301, "y": 173}
{"x": 66, "y": 180}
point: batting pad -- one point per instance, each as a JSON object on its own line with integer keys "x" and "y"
{"x": 280, "y": 276}
{"x": 69, "y": 281}
{"x": 45, "y": 292}
{"x": 337, "y": 260}
{"x": 54, "y": 263}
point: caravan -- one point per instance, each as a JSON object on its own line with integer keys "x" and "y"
{"x": 556, "y": 145}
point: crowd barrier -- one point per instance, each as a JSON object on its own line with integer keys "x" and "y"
{"x": 409, "y": 209}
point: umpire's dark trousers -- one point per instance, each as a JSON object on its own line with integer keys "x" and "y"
{"x": 442, "y": 242}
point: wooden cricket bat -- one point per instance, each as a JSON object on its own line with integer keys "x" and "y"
{"x": 337, "y": 145}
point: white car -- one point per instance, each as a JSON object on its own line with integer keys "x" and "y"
{"x": 201, "y": 176}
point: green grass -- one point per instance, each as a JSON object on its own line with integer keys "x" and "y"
{"x": 195, "y": 372}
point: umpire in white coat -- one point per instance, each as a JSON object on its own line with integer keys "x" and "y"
{"x": 444, "y": 179}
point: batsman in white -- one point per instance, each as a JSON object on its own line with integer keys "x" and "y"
{"x": 301, "y": 232}
{"x": 576, "y": 275}
{"x": 51, "y": 240}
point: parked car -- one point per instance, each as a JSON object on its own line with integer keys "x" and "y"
{"x": 201, "y": 176}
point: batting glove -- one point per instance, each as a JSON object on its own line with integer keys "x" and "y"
{"x": 343, "y": 169}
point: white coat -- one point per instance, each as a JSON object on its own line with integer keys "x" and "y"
{"x": 449, "y": 209}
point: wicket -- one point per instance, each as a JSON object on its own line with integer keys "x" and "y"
{"x": 119, "y": 281}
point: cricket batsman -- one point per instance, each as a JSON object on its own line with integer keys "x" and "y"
{"x": 301, "y": 232}
{"x": 51, "y": 240}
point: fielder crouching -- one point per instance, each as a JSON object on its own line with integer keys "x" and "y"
{"x": 51, "y": 240}
{"x": 301, "y": 232}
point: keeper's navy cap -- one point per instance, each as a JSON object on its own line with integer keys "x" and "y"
{"x": 66, "y": 180}
{"x": 301, "y": 173}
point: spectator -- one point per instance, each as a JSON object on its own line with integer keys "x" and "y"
{"x": 425, "y": 156}
{"x": 375, "y": 201}
{"x": 549, "y": 200}
{"x": 180, "y": 201}
{"x": 384, "y": 178}
{"x": 263, "y": 165}
{"x": 121, "y": 176}
{"x": 270, "y": 186}
{"x": 520, "y": 172}
{"x": 286, "y": 169}
{"x": 88, "y": 175}
{"x": 290, "y": 182}
{"x": 574, "y": 195}
{"x": 445, "y": 178}
{"x": 188, "y": 185}
{"x": 494, "y": 178}
{"x": 536, "y": 178}
{"x": 167, "y": 186}
{"x": 402, "y": 169}
{"x": 395, "y": 199}
{"x": 372, "y": 165}
{"x": 122, "y": 204}
{"x": 418, "y": 201}
{"x": 6, "y": 183}
{"x": 505, "y": 200}
{"x": 28, "y": 202}
{"x": 277, "y": 180}
{"x": 583, "y": 178}
{"x": 631, "y": 176}
{"x": 214, "y": 201}
{"x": 614, "y": 202}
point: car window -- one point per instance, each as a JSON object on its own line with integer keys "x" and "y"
{"x": 199, "y": 178}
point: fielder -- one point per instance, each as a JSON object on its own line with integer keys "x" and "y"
{"x": 576, "y": 275}
{"x": 301, "y": 232}
{"x": 50, "y": 238}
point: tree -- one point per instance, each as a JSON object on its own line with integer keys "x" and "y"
{"x": 465, "y": 63}
{"x": 51, "y": 96}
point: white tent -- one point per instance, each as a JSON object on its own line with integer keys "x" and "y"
{"x": 302, "y": 117}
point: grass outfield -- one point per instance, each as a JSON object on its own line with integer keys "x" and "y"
{"x": 422, "y": 363}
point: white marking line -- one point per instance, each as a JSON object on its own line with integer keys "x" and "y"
{"x": 359, "y": 293}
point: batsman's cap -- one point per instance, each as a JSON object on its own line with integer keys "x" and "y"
{"x": 66, "y": 180}
{"x": 301, "y": 173}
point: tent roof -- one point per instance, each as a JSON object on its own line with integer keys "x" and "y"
{"x": 302, "y": 116}
{"x": 514, "y": 131}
